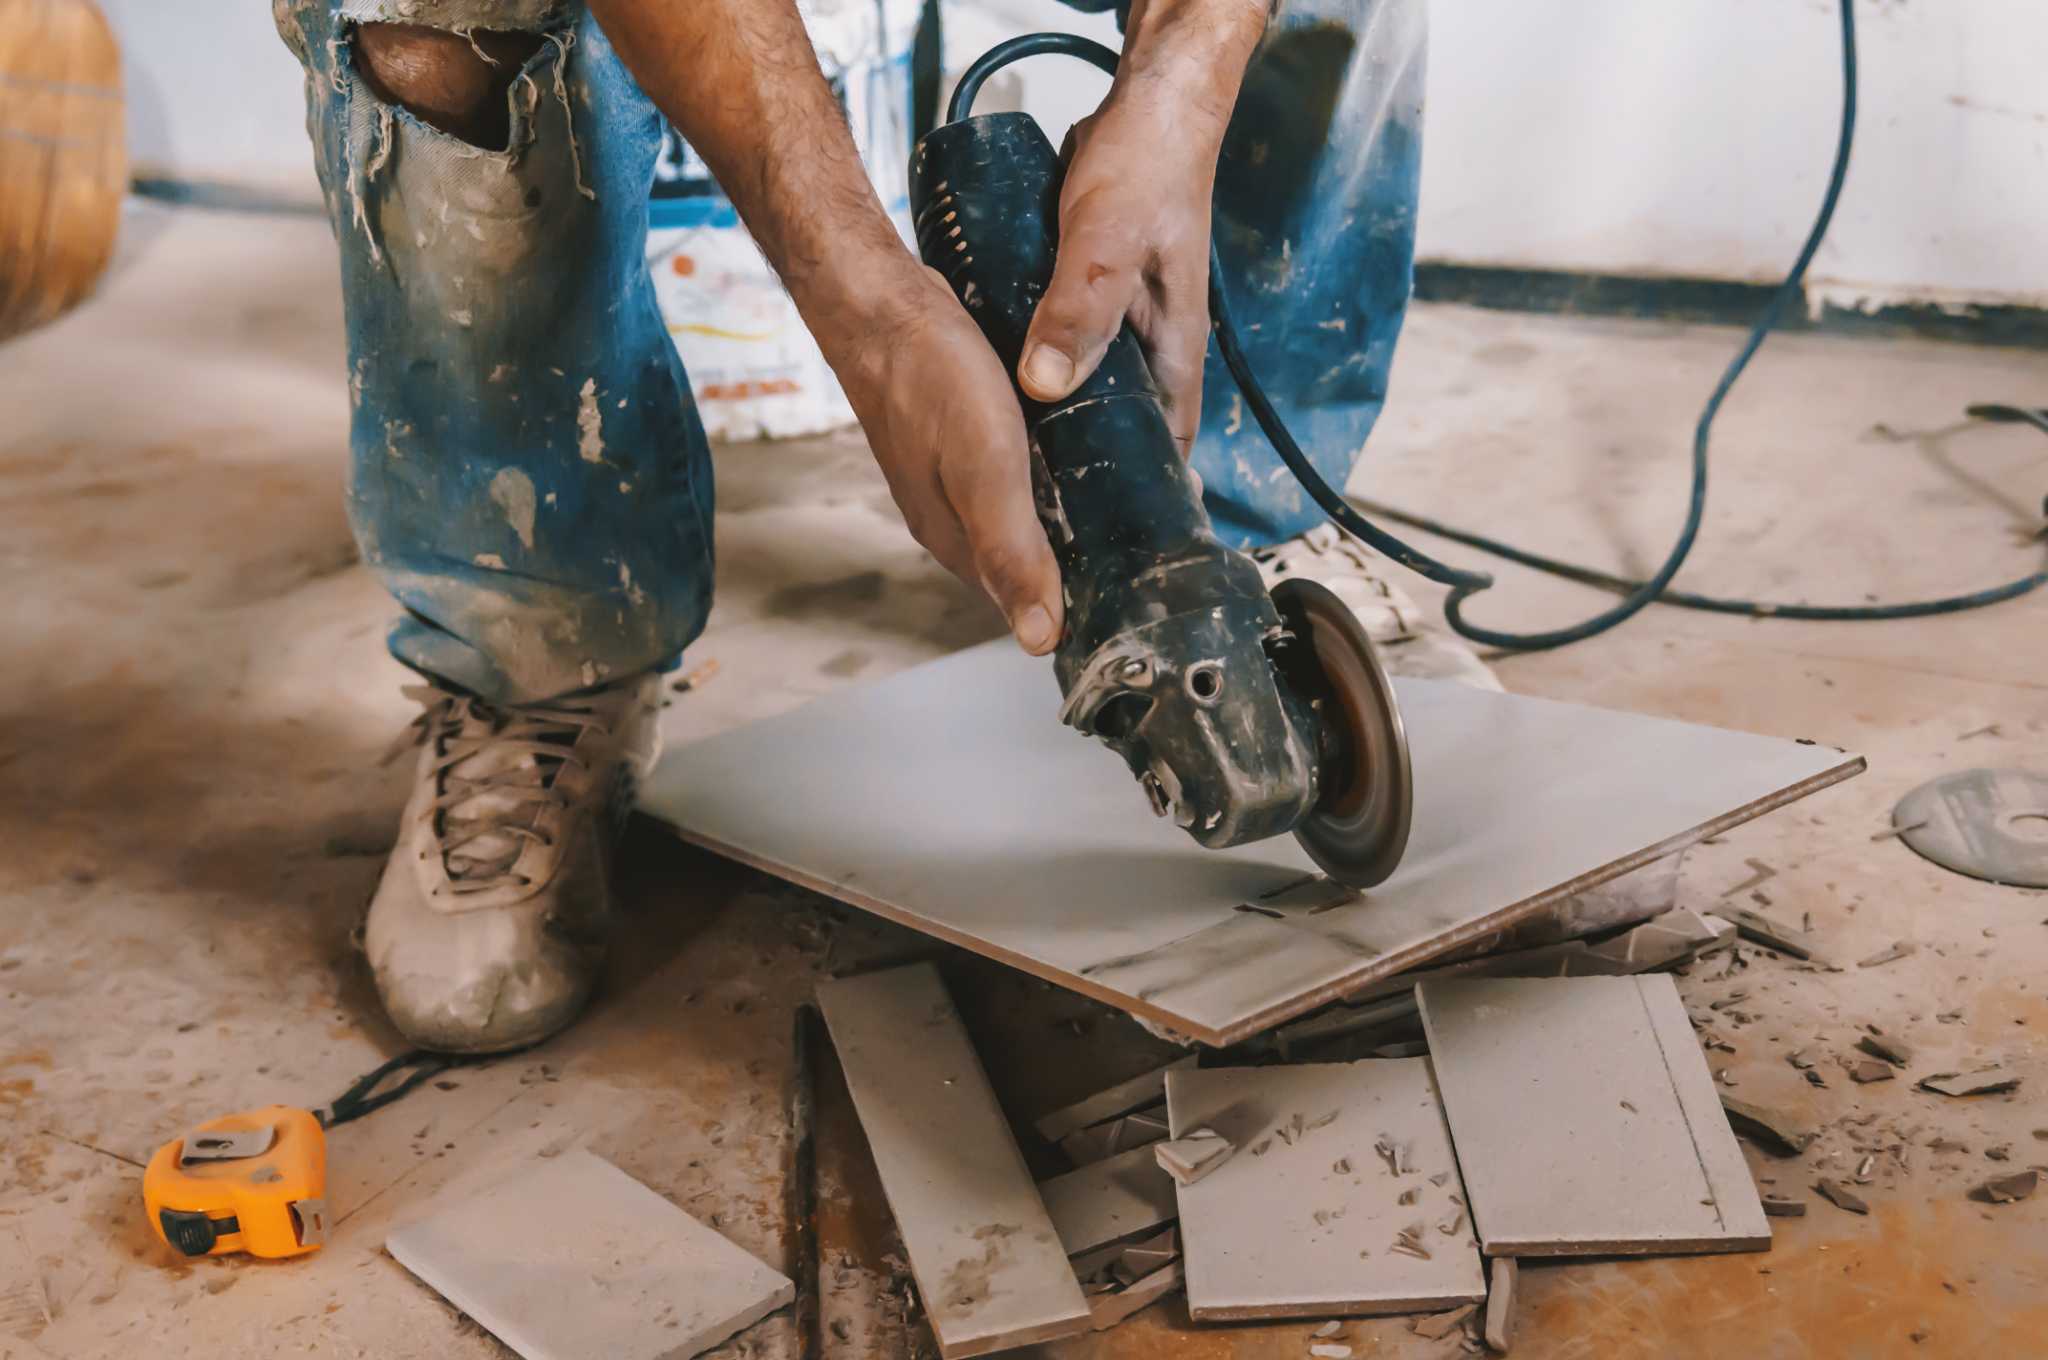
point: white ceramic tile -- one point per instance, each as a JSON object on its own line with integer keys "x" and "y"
{"x": 949, "y": 798}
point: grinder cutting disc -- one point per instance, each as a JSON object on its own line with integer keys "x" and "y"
{"x": 1359, "y": 827}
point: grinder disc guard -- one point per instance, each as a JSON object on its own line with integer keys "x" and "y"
{"x": 1359, "y": 827}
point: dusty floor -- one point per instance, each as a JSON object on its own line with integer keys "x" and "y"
{"x": 193, "y": 701}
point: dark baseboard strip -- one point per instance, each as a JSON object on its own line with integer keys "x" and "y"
{"x": 1552, "y": 291}
{"x": 1715, "y": 302}
{"x": 193, "y": 193}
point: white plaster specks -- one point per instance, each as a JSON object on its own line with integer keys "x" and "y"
{"x": 589, "y": 424}
{"x": 512, "y": 492}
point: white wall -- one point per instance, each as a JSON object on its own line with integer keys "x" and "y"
{"x": 213, "y": 94}
{"x": 1692, "y": 137}
{"x": 1675, "y": 137}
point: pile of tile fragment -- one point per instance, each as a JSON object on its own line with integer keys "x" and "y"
{"x": 1398, "y": 1153}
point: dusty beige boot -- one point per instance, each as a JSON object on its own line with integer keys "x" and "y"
{"x": 490, "y": 923}
{"x": 1410, "y": 642}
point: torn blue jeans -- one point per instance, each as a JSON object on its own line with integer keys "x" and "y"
{"x": 529, "y": 477}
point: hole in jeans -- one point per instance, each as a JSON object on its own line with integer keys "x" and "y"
{"x": 457, "y": 82}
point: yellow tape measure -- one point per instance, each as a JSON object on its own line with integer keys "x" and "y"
{"x": 256, "y": 1181}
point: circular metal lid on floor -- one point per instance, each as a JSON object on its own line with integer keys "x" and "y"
{"x": 1989, "y": 824}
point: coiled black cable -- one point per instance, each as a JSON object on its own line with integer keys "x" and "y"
{"x": 1465, "y": 584}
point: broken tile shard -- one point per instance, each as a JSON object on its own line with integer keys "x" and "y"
{"x": 1779, "y": 1206}
{"x": 1870, "y": 1070}
{"x": 1886, "y": 1047}
{"x": 1840, "y": 1196}
{"x": 1437, "y": 1326}
{"x": 1772, "y": 1129}
{"x": 1189, "y": 1159}
{"x": 1107, "y": 1310}
{"x": 1899, "y": 949}
{"x": 1760, "y": 929}
{"x": 1985, "y": 1081}
{"x": 2006, "y": 1189}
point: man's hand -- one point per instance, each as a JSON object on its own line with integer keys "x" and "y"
{"x": 1134, "y": 210}
{"x": 739, "y": 79}
{"x": 944, "y": 423}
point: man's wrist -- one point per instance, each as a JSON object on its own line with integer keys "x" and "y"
{"x": 852, "y": 301}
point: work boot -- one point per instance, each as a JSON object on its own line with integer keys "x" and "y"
{"x": 490, "y": 923}
{"x": 1409, "y": 641}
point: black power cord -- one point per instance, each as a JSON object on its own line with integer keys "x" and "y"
{"x": 1465, "y": 584}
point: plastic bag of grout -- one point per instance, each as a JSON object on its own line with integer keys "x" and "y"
{"x": 754, "y": 369}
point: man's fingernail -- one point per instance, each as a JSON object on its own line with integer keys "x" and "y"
{"x": 1034, "y": 629}
{"x": 1048, "y": 370}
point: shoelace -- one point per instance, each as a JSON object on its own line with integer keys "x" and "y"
{"x": 547, "y": 732}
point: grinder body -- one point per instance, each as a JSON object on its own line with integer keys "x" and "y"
{"x": 1174, "y": 652}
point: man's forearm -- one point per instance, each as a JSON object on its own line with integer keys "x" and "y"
{"x": 740, "y": 80}
{"x": 1190, "y": 55}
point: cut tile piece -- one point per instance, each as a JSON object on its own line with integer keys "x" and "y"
{"x": 1189, "y": 1159}
{"x": 1585, "y": 1118}
{"x": 988, "y": 1264}
{"x": 1779, "y": 1206}
{"x": 1280, "y": 1231}
{"x": 569, "y": 1257}
{"x": 1107, "y": 1200}
{"x": 1107, "y": 1310}
{"x": 1147, "y": 1088}
{"x": 1503, "y": 1274}
{"x": 1519, "y": 804}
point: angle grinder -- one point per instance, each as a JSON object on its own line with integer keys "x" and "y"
{"x": 1244, "y": 714}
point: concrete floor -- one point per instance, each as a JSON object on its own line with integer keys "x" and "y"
{"x": 195, "y": 701}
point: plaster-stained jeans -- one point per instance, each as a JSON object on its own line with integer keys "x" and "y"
{"x": 529, "y": 476}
